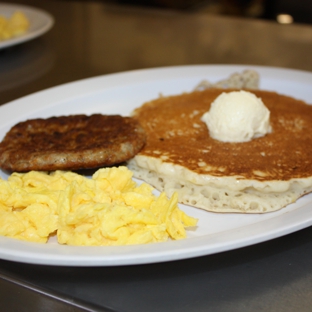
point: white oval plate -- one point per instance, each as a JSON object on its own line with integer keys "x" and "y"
{"x": 40, "y": 22}
{"x": 119, "y": 94}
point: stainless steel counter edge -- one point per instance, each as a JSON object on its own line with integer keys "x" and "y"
{"x": 34, "y": 298}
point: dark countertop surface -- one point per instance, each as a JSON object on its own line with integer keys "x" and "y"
{"x": 91, "y": 38}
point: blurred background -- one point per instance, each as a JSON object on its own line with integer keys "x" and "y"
{"x": 282, "y": 11}
{"x": 91, "y": 38}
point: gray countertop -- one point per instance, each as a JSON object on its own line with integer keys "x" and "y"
{"x": 271, "y": 276}
{"x": 93, "y": 38}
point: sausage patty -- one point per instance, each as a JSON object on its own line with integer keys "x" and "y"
{"x": 71, "y": 143}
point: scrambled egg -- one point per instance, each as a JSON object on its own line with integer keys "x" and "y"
{"x": 14, "y": 26}
{"x": 109, "y": 209}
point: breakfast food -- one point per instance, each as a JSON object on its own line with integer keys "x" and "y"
{"x": 13, "y": 26}
{"x": 247, "y": 79}
{"x": 108, "y": 209}
{"x": 70, "y": 143}
{"x": 257, "y": 176}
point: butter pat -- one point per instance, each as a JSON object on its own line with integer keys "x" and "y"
{"x": 237, "y": 116}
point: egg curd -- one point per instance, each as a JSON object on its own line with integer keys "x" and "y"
{"x": 13, "y": 26}
{"x": 108, "y": 209}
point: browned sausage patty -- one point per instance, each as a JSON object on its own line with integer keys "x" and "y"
{"x": 71, "y": 143}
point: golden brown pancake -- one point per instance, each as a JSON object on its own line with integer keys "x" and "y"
{"x": 178, "y": 140}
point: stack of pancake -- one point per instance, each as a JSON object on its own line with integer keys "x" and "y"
{"x": 258, "y": 176}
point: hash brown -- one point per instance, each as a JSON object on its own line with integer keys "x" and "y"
{"x": 70, "y": 143}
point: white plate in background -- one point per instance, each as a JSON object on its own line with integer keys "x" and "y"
{"x": 39, "y": 20}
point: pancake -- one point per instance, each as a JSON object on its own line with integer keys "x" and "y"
{"x": 70, "y": 143}
{"x": 262, "y": 175}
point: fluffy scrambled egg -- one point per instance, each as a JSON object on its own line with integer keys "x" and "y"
{"x": 13, "y": 26}
{"x": 108, "y": 209}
